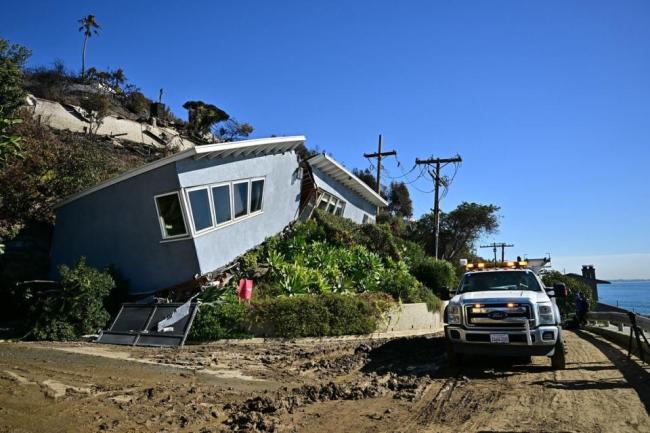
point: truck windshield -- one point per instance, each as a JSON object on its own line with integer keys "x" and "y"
{"x": 510, "y": 280}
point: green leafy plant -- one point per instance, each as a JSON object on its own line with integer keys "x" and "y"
{"x": 12, "y": 60}
{"x": 77, "y": 309}
{"x": 227, "y": 318}
{"x": 435, "y": 274}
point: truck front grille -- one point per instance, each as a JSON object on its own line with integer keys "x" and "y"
{"x": 498, "y": 315}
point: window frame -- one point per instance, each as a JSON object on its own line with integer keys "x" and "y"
{"x": 191, "y": 213}
{"x": 248, "y": 198}
{"x": 331, "y": 200}
{"x": 181, "y": 201}
{"x": 188, "y": 216}
{"x": 250, "y": 194}
{"x": 211, "y": 187}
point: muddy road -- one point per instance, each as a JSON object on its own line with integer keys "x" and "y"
{"x": 351, "y": 385}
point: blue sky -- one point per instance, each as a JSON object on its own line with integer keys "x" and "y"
{"x": 547, "y": 102}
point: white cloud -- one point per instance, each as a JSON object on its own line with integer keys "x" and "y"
{"x": 608, "y": 267}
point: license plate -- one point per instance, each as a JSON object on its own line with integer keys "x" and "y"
{"x": 499, "y": 338}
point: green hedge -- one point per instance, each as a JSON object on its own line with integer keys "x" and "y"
{"x": 320, "y": 315}
{"x": 229, "y": 319}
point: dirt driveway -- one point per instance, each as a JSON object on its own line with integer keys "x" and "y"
{"x": 351, "y": 385}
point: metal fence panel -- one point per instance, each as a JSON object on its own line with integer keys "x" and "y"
{"x": 137, "y": 325}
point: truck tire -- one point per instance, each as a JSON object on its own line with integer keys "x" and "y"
{"x": 558, "y": 360}
{"x": 453, "y": 358}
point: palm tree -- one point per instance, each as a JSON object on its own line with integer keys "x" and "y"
{"x": 89, "y": 26}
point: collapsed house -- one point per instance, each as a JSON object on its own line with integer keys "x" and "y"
{"x": 170, "y": 221}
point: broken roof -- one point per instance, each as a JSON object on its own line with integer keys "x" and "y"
{"x": 260, "y": 146}
{"x": 338, "y": 172}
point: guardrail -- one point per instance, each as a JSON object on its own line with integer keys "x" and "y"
{"x": 637, "y": 324}
{"x": 619, "y": 319}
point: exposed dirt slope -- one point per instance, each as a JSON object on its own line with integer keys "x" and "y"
{"x": 326, "y": 385}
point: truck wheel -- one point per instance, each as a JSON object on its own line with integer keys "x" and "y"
{"x": 453, "y": 358}
{"x": 558, "y": 360}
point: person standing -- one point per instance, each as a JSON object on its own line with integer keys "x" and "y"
{"x": 582, "y": 306}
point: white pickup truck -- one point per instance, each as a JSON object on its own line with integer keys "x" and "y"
{"x": 505, "y": 312}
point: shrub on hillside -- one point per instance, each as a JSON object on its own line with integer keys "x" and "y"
{"x": 437, "y": 275}
{"x": 226, "y": 319}
{"x": 321, "y": 315}
{"x": 52, "y": 165}
{"x": 337, "y": 230}
{"x": 77, "y": 309}
{"x": 379, "y": 239}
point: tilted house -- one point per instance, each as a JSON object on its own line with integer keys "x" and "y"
{"x": 331, "y": 187}
{"x": 164, "y": 223}
{"x": 190, "y": 213}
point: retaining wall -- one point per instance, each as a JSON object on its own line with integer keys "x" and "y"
{"x": 413, "y": 317}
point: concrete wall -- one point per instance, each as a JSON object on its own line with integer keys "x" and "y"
{"x": 356, "y": 206}
{"x": 404, "y": 319}
{"x": 413, "y": 317}
{"x": 280, "y": 205}
{"x": 119, "y": 225}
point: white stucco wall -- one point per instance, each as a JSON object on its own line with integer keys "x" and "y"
{"x": 356, "y": 206}
{"x": 280, "y": 205}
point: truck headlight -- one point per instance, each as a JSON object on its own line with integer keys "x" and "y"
{"x": 453, "y": 314}
{"x": 545, "y": 314}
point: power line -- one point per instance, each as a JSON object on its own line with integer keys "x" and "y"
{"x": 494, "y": 246}
{"x": 379, "y": 154}
{"x": 438, "y": 163}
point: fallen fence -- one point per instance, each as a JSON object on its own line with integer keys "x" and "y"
{"x": 150, "y": 325}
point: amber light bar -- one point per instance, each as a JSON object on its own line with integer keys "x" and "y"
{"x": 504, "y": 265}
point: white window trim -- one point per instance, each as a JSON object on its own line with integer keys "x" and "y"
{"x": 248, "y": 198}
{"x": 250, "y": 193}
{"x": 163, "y": 234}
{"x": 191, "y": 214}
{"x": 186, "y": 208}
{"x": 330, "y": 199}
{"x": 211, "y": 187}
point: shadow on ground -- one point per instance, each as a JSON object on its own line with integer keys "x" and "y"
{"x": 635, "y": 375}
{"x": 425, "y": 356}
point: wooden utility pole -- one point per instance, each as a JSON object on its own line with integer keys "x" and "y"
{"x": 379, "y": 155}
{"x": 439, "y": 163}
{"x": 494, "y": 246}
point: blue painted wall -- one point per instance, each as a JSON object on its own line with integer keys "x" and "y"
{"x": 356, "y": 206}
{"x": 280, "y": 206}
{"x": 118, "y": 225}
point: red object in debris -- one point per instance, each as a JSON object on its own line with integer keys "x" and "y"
{"x": 245, "y": 289}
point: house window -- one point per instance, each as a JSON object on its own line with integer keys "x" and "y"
{"x": 170, "y": 215}
{"x": 221, "y": 201}
{"x": 201, "y": 209}
{"x": 331, "y": 204}
{"x": 366, "y": 219}
{"x": 257, "y": 192}
{"x": 240, "y": 193}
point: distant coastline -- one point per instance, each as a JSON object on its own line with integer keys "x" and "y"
{"x": 631, "y": 280}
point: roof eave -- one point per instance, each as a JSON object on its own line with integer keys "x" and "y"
{"x": 256, "y": 146}
{"x": 365, "y": 191}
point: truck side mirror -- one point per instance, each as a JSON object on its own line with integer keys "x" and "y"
{"x": 446, "y": 294}
{"x": 559, "y": 290}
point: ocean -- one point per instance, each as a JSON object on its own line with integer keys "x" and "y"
{"x": 631, "y": 295}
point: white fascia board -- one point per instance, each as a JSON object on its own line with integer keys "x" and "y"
{"x": 329, "y": 165}
{"x": 211, "y": 150}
